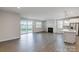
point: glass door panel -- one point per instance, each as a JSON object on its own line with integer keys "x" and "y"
{"x": 23, "y": 26}
{"x": 29, "y": 26}
{"x": 26, "y": 26}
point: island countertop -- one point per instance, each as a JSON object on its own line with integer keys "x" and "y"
{"x": 68, "y": 30}
{"x": 69, "y": 36}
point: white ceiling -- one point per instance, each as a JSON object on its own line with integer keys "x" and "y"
{"x": 44, "y": 13}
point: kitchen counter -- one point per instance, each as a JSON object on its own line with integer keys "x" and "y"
{"x": 69, "y": 36}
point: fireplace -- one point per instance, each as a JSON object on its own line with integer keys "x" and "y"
{"x": 50, "y": 30}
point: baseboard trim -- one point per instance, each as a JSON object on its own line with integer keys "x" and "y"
{"x": 10, "y": 39}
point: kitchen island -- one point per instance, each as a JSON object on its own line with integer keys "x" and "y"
{"x": 69, "y": 36}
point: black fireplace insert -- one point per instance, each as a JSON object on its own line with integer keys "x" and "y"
{"x": 50, "y": 30}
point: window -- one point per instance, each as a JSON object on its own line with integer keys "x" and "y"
{"x": 38, "y": 24}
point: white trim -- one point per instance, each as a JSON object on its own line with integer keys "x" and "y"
{"x": 9, "y": 39}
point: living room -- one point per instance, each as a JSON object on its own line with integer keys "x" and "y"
{"x": 39, "y": 29}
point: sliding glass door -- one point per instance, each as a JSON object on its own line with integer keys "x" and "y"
{"x": 23, "y": 25}
{"x": 26, "y": 26}
{"x": 29, "y": 26}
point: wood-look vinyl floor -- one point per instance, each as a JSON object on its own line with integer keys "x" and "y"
{"x": 39, "y": 42}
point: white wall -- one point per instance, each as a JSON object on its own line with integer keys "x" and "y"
{"x": 9, "y": 26}
{"x": 51, "y": 23}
